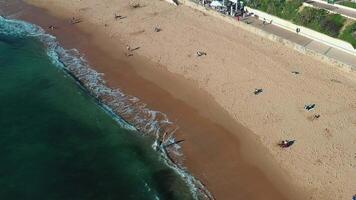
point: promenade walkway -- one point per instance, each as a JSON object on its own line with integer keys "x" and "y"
{"x": 346, "y": 12}
{"x": 304, "y": 41}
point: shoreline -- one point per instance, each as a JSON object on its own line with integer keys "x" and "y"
{"x": 67, "y": 43}
{"x": 92, "y": 83}
{"x": 232, "y": 139}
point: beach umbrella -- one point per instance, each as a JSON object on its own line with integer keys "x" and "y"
{"x": 216, "y": 4}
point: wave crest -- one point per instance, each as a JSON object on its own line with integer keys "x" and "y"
{"x": 127, "y": 110}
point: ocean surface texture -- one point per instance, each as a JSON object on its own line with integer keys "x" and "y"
{"x": 57, "y": 143}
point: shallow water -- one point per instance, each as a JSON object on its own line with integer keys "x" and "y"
{"x": 56, "y": 142}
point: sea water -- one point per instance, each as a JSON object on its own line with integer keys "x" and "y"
{"x": 58, "y": 143}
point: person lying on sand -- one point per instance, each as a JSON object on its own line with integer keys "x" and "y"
{"x": 119, "y": 17}
{"x": 309, "y": 107}
{"x": 157, "y": 29}
{"x": 286, "y": 143}
{"x": 75, "y": 20}
{"x": 201, "y": 53}
{"x": 258, "y": 91}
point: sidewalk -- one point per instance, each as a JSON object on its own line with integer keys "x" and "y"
{"x": 351, "y": 13}
{"x": 304, "y": 41}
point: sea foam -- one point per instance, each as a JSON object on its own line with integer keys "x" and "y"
{"x": 127, "y": 110}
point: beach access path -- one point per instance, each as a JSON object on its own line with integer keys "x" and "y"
{"x": 306, "y": 42}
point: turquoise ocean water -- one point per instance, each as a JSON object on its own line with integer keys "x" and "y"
{"x": 57, "y": 143}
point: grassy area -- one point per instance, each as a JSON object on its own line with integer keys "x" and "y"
{"x": 317, "y": 19}
{"x": 348, "y": 4}
{"x": 286, "y": 9}
{"x": 321, "y": 21}
{"x": 349, "y": 34}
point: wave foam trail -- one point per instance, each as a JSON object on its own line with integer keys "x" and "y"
{"x": 134, "y": 114}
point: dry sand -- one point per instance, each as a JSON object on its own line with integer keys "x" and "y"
{"x": 322, "y": 163}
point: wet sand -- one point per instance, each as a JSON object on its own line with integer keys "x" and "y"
{"x": 228, "y": 158}
{"x": 213, "y": 158}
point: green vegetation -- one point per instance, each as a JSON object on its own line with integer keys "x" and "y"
{"x": 321, "y": 21}
{"x": 285, "y": 9}
{"x": 317, "y": 19}
{"x": 348, "y": 4}
{"x": 349, "y": 34}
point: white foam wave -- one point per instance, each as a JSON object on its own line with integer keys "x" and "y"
{"x": 134, "y": 114}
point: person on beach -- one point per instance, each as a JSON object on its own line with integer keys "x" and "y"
{"x": 157, "y": 29}
{"x": 117, "y": 17}
{"x": 286, "y": 143}
{"x": 128, "y": 47}
{"x": 75, "y": 20}
{"x": 52, "y": 27}
{"x": 297, "y": 30}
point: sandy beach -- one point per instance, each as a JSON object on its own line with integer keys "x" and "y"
{"x": 230, "y": 135}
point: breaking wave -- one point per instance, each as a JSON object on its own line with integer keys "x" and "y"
{"x": 128, "y": 111}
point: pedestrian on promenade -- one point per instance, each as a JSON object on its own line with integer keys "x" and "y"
{"x": 297, "y": 30}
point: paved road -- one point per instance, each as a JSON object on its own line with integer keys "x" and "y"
{"x": 345, "y": 12}
{"x": 304, "y": 41}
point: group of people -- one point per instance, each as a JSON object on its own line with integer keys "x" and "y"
{"x": 236, "y": 8}
{"x": 73, "y": 20}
